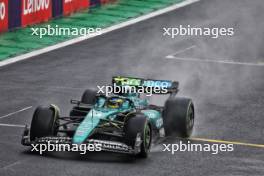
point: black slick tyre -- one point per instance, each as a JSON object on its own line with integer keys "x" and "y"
{"x": 44, "y": 122}
{"x": 138, "y": 124}
{"x": 178, "y": 117}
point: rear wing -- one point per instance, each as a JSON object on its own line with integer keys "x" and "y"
{"x": 171, "y": 87}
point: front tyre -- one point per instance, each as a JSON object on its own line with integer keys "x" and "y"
{"x": 88, "y": 97}
{"x": 178, "y": 117}
{"x": 44, "y": 122}
{"x": 139, "y": 125}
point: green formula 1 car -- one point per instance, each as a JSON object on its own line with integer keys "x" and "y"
{"x": 120, "y": 122}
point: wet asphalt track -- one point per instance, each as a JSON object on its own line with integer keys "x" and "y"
{"x": 229, "y": 98}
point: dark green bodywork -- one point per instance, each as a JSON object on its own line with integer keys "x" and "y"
{"x": 99, "y": 112}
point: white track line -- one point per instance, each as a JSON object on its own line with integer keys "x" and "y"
{"x": 214, "y": 61}
{"x": 181, "y": 51}
{"x": 21, "y": 110}
{"x": 12, "y": 125}
{"x": 228, "y": 142}
{"x": 104, "y": 31}
{"x": 9, "y": 166}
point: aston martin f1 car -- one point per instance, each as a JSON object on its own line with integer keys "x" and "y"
{"x": 122, "y": 122}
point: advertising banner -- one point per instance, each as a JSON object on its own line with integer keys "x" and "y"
{"x": 3, "y": 15}
{"x": 57, "y": 8}
{"x": 35, "y": 11}
{"x": 70, "y": 6}
{"x": 105, "y": 1}
{"x": 94, "y": 3}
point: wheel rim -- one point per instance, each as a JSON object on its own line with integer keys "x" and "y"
{"x": 147, "y": 138}
{"x": 190, "y": 119}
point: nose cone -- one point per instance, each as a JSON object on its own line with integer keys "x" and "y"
{"x": 86, "y": 127}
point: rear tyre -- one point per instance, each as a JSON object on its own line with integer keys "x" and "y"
{"x": 178, "y": 117}
{"x": 133, "y": 126}
{"x": 44, "y": 122}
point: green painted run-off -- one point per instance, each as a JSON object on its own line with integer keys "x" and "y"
{"x": 21, "y": 41}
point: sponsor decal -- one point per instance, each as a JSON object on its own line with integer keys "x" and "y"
{"x": 110, "y": 145}
{"x": 2, "y": 10}
{"x": 31, "y": 6}
{"x": 127, "y": 81}
{"x": 153, "y": 83}
{"x": 3, "y": 15}
{"x": 124, "y": 81}
{"x": 34, "y": 11}
{"x": 70, "y": 6}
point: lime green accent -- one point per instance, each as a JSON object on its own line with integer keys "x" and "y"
{"x": 21, "y": 41}
{"x": 146, "y": 135}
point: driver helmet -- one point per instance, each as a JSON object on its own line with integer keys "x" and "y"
{"x": 115, "y": 103}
